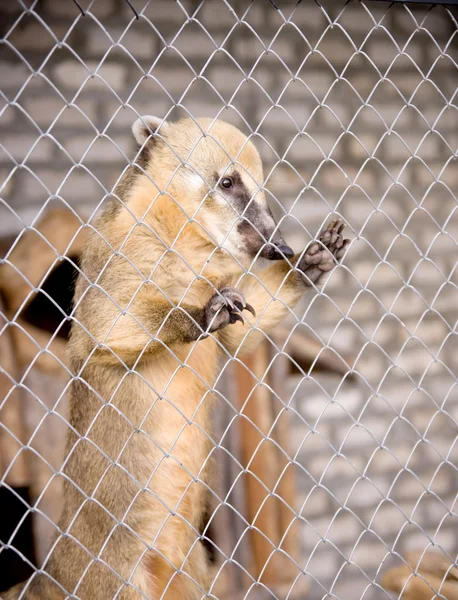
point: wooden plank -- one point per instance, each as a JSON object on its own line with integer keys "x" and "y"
{"x": 286, "y": 487}
{"x": 260, "y": 457}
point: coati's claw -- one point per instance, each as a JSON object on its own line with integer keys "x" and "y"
{"x": 234, "y": 317}
{"x": 250, "y": 309}
{"x": 322, "y": 255}
{"x": 225, "y": 308}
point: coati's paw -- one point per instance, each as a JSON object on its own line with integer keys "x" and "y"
{"x": 322, "y": 255}
{"x": 225, "y": 308}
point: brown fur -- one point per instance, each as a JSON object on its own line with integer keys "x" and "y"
{"x": 141, "y": 398}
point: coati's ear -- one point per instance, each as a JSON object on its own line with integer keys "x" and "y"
{"x": 146, "y": 126}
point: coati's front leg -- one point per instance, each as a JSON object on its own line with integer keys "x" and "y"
{"x": 152, "y": 324}
{"x": 321, "y": 256}
{"x": 225, "y": 308}
{"x": 277, "y": 289}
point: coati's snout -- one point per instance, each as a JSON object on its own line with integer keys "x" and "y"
{"x": 277, "y": 250}
{"x": 217, "y": 173}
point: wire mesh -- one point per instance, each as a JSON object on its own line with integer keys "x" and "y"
{"x": 352, "y": 106}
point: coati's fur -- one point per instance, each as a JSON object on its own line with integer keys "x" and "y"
{"x": 165, "y": 279}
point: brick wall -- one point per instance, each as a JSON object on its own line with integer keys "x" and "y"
{"x": 354, "y": 111}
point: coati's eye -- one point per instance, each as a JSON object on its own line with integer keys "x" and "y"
{"x": 226, "y": 182}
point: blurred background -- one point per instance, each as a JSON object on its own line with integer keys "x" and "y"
{"x": 353, "y": 107}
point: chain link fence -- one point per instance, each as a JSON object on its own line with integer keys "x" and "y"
{"x": 334, "y": 445}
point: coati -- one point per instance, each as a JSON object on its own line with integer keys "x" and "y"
{"x": 165, "y": 291}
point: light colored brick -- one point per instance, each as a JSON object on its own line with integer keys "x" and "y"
{"x": 384, "y": 52}
{"x": 318, "y": 82}
{"x": 194, "y": 43}
{"x": 334, "y": 115}
{"x": 356, "y": 20}
{"x": 317, "y": 467}
{"x": 13, "y": 75}
{"x": 408, "y": 83}
{"x": 364, "y": 307}
{"x": 387, "y": 519}
{"x": 101, "y": 150}
{"x": 311, "y": 442}
{"x": 407, "y": 487}
{"x": 306, "y": 15}
{"x": 364, "y": 270}
{"x": 390, "y": 333}
{"x": 81, "y": 189}
{"x": 99, "y": 41}
{"x": 163, "y": 11}
{"x": 282, "y": 49}
{"x": 429, "y": 332}
{"x": 197, "y": 107}
{"x": 350, "y": 586}
{"x": 227, "y": 80}
{"x": 339, "y": 468}
{"x": 365, "y": 83}
{"x": 19, "y": 146}
{"x": 344, "y": 530}
{"x": 306, "y": 148}
{"x": 125, "y": 116}
{"x": 44, "y": 111}
{"x": 287, "y": 118}
{"x": 419, "y": 541}
{"x": 36, "y": 37}
{"x": 443, "y": 119}
{"x": 335, "y": 410}
{"x": 408, "y": 303}
{"x": 363, "y": 145}
{"x": 370, "y": 554}
{"x": 6, "y": 187}
{"x": 11, "y": 223}
{"x": 323, "y": 561}
{"x": 384, "y": 462}
{"x": 369, "y": 434}
{"x": 217, "y": 14}
{"x": 72, "y": 75}
{"x": 338, "y": 50}
{"x": 313, "y": 504}
{"x": 442, "y": 482}
{"x": 284, "y": 182}
{"x": 173, "y": 80}
{"x": 446, "y": 303}
{"x": 436, "y": 22}
{"x": 249, "y": 48}
{"x": 384, "y": 276}
{"x": 389, "y": 112}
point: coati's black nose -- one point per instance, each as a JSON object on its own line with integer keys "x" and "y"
{"x": 277, "y": 251}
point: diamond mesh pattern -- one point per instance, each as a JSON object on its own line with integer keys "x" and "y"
{"x": 353, "y": 108}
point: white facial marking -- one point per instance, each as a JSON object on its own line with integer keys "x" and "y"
{"x": 194, "y": 180}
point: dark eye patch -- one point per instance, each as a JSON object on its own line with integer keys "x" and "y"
{"x": 237, "y": 193}
{"x": 257, "y": 222}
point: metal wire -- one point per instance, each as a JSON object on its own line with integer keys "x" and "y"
{"x": 400, "y": 175}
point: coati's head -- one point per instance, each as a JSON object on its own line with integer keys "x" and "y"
{"x": 217, "y": 172}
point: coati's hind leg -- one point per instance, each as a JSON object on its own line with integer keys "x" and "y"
{"x": 189, "y": 581}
